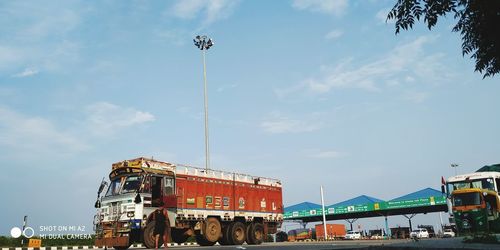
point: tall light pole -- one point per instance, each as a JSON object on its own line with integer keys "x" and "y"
{"x": 325, "y": 235}
{"x": 204, "y": 43}
{"x": 455, "y": 166}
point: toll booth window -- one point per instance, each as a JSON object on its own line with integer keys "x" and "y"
{"x": 114, "y": 187}
{"x": 132, "y": 183}
{"x": 466, "y": 199}
{"x": 169, "y": 185}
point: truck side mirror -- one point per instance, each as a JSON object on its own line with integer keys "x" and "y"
{"x": 442, "y": 189}
{"x": 97, "y": 204}
{"x": 102, "y": 186}
{"x": 137, "y": 199}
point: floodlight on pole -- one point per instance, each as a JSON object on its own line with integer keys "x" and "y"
{"x": 204, "y": 43}
{"x": 455, "y": 166}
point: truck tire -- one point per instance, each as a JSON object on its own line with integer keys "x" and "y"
{"x": 202, "y": 241}
{"x": 237, "y": 233}
{"x": 122, "y": 247}
{"x": 212, "y": 229}
{"x": 255, "y": 233}
{"x": 224, "y": 240}
{"x": 179, "y": 235}
{"x": 149, "y": 238}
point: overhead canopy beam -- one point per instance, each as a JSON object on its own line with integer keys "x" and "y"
{"x": 377, "y": 213}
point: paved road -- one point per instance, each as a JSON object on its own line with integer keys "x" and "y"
{"x": 453, "y": 243}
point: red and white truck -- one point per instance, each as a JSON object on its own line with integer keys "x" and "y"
{"x": 215, "y": 206}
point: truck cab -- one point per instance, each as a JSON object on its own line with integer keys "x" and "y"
{"x": 133, "y": 194}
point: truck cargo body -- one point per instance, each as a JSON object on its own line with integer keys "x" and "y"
{"x": 334, "y": 231}
{"x": 227, "y": 196}
{"x": 215, "y": 206}
{"x": 301, "y": 234}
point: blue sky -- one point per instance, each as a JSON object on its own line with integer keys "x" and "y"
{"x": 311, "y": 92}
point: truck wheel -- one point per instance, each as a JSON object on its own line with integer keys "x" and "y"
{"x": 255, "y": 234}
{"x": 237, "y": 233}
{"x": 179, "y": 235}
{"x": 202, "y": 241}
{"x": 122, "y": 247}
{"x": 212, "y": 229}
{"x": 224, "y": 240}
{"x": 149, "y": 238}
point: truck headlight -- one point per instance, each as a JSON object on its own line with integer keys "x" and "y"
{"x": 130, "y": 214}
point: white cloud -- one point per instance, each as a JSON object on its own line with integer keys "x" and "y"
{"x": 329, "y": 154}
{"x": 176, "y": 37}
{"x": 279, "y": 124}
{"x": 35, "y": 135}
{"x": 334, "y": 34}
{"x": 37, "y": 33}
{"x": 282, "y": 93}
{"x": 106, "y": 118}
{"x": 382, "y": 16}
{"x": 226, "y": 87}
{"x": 334, "y": 7}
{"x": 49, "y": 23}
{"x": 212, "y": 10}
{"x": 10, "y": 56}
{"x": 415, "y": 96}
{"x": 27, "y": 72}
{"x": 403, "y": 59}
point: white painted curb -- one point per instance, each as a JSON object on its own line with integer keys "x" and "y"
{"x": 88, "y": 247}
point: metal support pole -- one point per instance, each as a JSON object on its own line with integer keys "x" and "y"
{"x": 455, "y": 166}
{"x": 441, "y": 220}
{"x": 409, "y": 219}
{"x": 387, "y": 232}
{"x": 207, "y": 150}
{"x": 204, "y": 43}
{"x": 325, "y": 233}
{"x": 351, "y": 221}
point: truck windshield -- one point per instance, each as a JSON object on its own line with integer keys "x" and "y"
{"x": 114, "y": 187}
{"x": 132, "y": 183}
{"x": 466, "y": 199}
{"x": 486, "y": 183}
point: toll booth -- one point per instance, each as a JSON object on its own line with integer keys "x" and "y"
{"x": 400, "y": 232}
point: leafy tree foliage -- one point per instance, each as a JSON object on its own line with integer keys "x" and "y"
{"x": 478, "y": 24}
